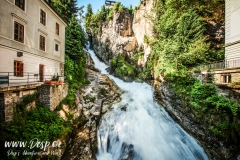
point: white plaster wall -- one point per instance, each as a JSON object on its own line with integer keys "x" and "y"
{"x": 232, "y": 33}
{"x": 30, "y": 18}
{"x": 31, "y": 64}
{"x": 232, "y": 21}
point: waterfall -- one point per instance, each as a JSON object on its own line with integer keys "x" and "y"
{"x": 137, "y": 128}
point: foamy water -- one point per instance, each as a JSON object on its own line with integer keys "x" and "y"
{"x": 138, "y": 128}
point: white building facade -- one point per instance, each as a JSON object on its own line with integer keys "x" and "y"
{"x": 32, "y": 41}
{"x": 232, "y": 33}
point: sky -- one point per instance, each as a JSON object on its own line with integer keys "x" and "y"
{"x": 96, "y": 4}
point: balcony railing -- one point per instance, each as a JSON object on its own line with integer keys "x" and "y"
{"x": 11, "y": 79}
{"x": 219, "y": 65}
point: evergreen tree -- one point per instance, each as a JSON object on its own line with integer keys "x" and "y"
{"x": 88, "y": 17}
{"x": 66, "y": 8}
{"x": 75, "y": 40}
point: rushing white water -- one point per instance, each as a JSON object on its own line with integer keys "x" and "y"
{"x": 137, "y": 128}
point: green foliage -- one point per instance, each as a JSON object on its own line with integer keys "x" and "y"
{"x": 216, "y": 110}
{"x": 146, "y": 39}
{"x": 94, "y": 21}
{"x": 88, "y": 98}
{"x": 75, "y": 39}
{"x": 88, "y": 18}
{"x": 38, "y": 123}
{"x": 179, "y": 41}
{"x": 66, "y": 8}
{"x": 118, "y": 7}
{"x": 131, "y": 11}
{"x": 110, "y": 15}
{"x": 55, "y": 77}
{"x": 26, "y": 100}
{"x": 123, "y": 69}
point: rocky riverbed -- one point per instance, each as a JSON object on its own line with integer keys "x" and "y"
{"x": 92, "y": 101}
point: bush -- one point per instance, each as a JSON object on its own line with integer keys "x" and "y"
{"x": 206, "y": 104}
{"x": 38, "y": 123}
{"x": 123, "y": 69}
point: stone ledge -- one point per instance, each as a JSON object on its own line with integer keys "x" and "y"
{"x": 20, "y": 87}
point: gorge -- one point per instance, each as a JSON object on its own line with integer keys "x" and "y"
{"x": 158, "y": 44}
{"x": 138, "y": 128}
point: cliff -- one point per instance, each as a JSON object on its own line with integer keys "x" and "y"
{"x": 124, "y": 34}
{"x": 128, "y": 35}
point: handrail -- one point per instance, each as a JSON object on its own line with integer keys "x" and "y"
{"x": 219, "y": 65}
{"x": 10, "y": 78}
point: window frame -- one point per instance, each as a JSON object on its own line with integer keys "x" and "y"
{"x": 20, "y": 32}
{"x": 56, "y": 47}
{"x": 226, "y": 78}
{"x": 20, "y": 3}
{"x": 57, "y": 28}
{"x": 42, "y": 42}
{"x": 43, "y": 17}
{"x": 18, "y": 68}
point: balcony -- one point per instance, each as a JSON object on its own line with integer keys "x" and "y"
{"x": 220, "y": 65}
{"x": 10, "y": 81}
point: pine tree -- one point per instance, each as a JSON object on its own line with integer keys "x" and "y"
{"x": 75, "y": 40}
{"x": 66, "y": 8}
{"x": 88, "y": 17}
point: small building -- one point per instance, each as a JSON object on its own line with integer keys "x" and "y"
{"x": 231, "y": 71}
{"x": 32, "y": 50}
{"x": 227, "y": 71}
{"x": 232, "y": 34}
{"x": 109, "y": 3}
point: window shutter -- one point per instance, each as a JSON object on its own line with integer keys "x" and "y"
{"x": 22, "y": 70}
{"x": 15, "y": 68}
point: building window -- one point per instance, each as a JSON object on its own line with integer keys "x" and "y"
{"x": 42, "y": 43}
{"x": 226, "y": 78}
{"x": 57, "y": 28}
{"x": 20, "y": 3}
{"x": 56, "y": 47}
{"x": 18, "y": 32}
{"x": 18, "y": 69}
{"x": 42, "y": 17}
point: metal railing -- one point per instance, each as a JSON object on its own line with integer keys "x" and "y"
{"x": 12, "y": 79}
{"x": 219, "y": 65}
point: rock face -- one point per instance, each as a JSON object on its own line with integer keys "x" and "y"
{"x": 215, "y": 148}
{"x": 92, "y": 101}
{"x": 124, "y": 34}
{"x": 142, "y": 26}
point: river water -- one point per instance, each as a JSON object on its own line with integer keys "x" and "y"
{"x": 137, "y": 128}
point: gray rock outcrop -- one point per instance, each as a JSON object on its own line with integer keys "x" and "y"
{"x": 215, "y": 147}
{"x": 124, "y": 34}
{"x": 92, "y": 100}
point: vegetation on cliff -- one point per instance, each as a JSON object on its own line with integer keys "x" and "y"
{"x": 179, "y": 36}
{"x": 123, "y": 69}
{"x": 180, "y": 43}
{"x": 93, "y": 21}
{"x": 220, "y": 114}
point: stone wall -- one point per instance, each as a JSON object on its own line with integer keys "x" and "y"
{"x": 230, "y": 93}
{"x": 6, "y": 106}
{"x": 52, "y": 95}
